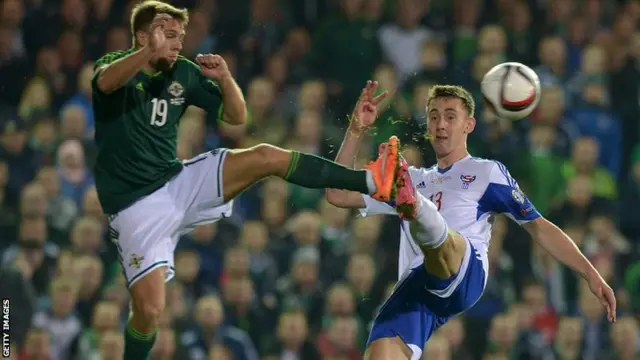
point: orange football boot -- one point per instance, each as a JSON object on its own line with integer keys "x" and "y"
{"x": 384, "y": 169}
{"x": 405, "y": 193}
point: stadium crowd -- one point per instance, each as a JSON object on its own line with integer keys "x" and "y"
{"x": 289, "y": 276}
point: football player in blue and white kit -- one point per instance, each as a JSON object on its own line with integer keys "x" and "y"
{"x": 447, "y": 211}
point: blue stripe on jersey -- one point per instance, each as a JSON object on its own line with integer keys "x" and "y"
{"x": 503, "y": 169}
{"x": 506, "y": 199}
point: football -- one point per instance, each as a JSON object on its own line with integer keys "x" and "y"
{"x": 511, "y": 90}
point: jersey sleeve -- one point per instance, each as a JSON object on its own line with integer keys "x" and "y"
{"x": 100, "y": 64}
{"x": 203, "y": 92}
{"x": 503, "y": 196}
{"x": 375, "y": 207}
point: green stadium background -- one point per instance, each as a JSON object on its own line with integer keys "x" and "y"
{"x": 289, "y": 276}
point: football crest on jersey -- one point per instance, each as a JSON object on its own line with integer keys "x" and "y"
{"x": 518, "y": 196}
{"x": 176, "y": 90}
{"x": 467, "y": 180}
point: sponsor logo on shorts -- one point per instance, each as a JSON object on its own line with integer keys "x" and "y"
{"x": 135, "y": 261}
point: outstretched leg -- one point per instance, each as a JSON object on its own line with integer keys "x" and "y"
{"x": 429, "y": 295}
{"x": 244, "y": 167}
{"x": 443, "y": 248}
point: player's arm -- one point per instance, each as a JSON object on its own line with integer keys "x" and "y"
{"x": 234, "y": 108}
{"x": 223, "y": 98}
{"x": 364, "y": 115}
{"x": 110, "y": 77}
{"x": 504, "y": 196}
{"x": 110, "y": 74}
{"x": 347, "y": 157}
{"x": 560, "y": 246}
{"x": 215, "y": 90}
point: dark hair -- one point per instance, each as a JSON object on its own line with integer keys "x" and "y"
{"x": 453, "y": 91}
{"x": 142, "y": 14}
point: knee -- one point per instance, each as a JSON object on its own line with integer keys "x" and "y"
{"x": 272, "y": 159}
{"x": 149, "y": 310}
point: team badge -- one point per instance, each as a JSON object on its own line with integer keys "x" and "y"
{"x": 136, "y": 261}
{"x": 518, "y": 196}
{"x": 467, "y": 180}
{"x": 176, "y": 90}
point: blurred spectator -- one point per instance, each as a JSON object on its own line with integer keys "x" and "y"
{"x": 438, "y": 348}
{"x": 15, "y": 152}
{"x": 37, "y": 345}
{"x": 209, "y": 330}
{"x": 104, "y": 320}
{"x": 75, "y": 177}
{"x": 337, "y": 42}
{"x": 111, "y": 346}
{"x": 568, "y": 344}
{"x": 584, "y": 162}
{"x": 628, "y": 197}
{"x": 292, "y": 332}
{"x": 59, "y": 319}
{"x": 401, "y": 41}
{"x": 625, "y": 337}
{"x": 165, "y": 345}
{"x": 16, "y": 280}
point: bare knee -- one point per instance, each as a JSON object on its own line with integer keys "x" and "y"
{"x": 149, "y": 310}
{"x": 388, "y": 349}
{"x": 272, "y": 159}
{"x": 148, "y": 297}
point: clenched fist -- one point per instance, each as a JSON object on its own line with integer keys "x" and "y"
{"x": 213, "y": 66}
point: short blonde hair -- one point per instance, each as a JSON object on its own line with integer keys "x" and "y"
{"x": 453, "y": 91}
{"x": 142, "y": 14}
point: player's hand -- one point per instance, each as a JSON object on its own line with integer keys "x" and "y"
{"x": 605, "y": 294}
{"x": 366, "y": 110}
{"x": 213, "y": 66}
{"x": 156, "y": 31}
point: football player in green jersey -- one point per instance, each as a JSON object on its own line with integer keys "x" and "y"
{"x": 139, "y": 96}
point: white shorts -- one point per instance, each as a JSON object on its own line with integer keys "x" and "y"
{"x": 147, "y": 232}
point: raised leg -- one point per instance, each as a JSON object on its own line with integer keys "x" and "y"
{"x": 242, "y": 168}
{"x": 443, "y": 248}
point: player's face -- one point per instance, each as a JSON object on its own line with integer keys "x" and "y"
{"x": 174, "y": 34}
{"x": 448, "y": 124}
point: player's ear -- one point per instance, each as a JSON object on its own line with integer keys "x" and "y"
{"x": 142, "y": 37}
{"x": 470, "y": 125}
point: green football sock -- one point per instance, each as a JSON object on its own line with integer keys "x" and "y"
{"x": 314, "y": 172}
{"x": 137, "y": 345}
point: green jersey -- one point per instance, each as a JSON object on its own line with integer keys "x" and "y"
{"x": 137, "y": 126}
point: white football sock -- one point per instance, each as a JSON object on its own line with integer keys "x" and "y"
{"x": 370, "y": 183}
{"x": 429, "y": 229}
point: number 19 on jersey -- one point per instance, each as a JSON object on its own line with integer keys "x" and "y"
{"x": 159, "y": 112}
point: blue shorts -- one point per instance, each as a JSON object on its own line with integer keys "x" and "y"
{"x": 421, "y": 303}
